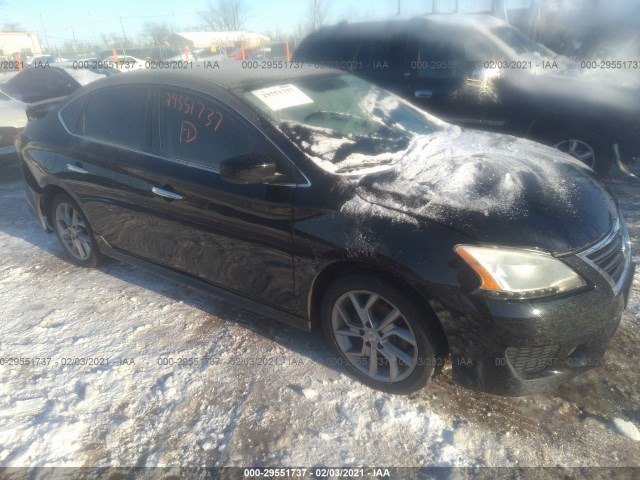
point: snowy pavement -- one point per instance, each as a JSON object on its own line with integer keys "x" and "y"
{"x": 167, "y": 376}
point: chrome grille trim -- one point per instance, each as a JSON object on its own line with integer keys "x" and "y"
{"x": 604, "y": 252}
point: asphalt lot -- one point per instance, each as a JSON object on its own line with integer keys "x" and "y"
{"x": 272, "y": 396}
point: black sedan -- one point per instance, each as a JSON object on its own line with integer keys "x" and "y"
{"x": 318, "y": 199}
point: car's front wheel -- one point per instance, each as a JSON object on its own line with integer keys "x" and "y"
{"x": 74, "y": 232}
{"x": 380, "y": 334}
{"x": 588, "y": 148}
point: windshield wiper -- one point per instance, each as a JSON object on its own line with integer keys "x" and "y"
{"x": 362, "y": 166}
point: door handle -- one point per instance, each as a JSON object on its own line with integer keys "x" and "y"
{"x": 423, "y": 94}
{"x": 166, "y": 193}
{"x": 76, "y": 169}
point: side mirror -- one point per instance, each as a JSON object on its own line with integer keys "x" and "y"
{"x": 247, "y": 169}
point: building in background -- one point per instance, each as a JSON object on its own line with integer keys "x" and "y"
{"x": 217, "y": 40}
{"x": 24, "y": 43}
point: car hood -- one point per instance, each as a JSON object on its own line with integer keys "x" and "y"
{"x": 497, "y": 189}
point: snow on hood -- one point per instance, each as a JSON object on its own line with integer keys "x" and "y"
{"x": 496, "y": 188}
{"x": 472, "y": 171}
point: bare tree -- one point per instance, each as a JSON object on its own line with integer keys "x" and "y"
{"x": 113, "y": 40}
{"x": 225, "y": 15}
{"x": 319, "y": 13}
{"x": 12, "y": 27}
{"x": 156, "y": 34}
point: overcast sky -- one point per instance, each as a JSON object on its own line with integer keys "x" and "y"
{"x": 92, "y": 18}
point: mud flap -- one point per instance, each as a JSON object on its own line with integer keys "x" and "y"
{"x": 619, "y": 172}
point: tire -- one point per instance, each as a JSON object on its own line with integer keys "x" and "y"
{"x": 357, "y": 343}
{"x": 74, "y": 232}
{"x": 590, "y": 149}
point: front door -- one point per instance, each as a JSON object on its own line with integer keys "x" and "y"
{"x": 238, "y": 237}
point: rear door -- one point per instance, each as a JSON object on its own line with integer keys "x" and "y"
{"x": 110, "y": 141}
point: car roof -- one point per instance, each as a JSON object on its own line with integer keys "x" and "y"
{"x": 231, "y": 76}
{"x": 400, "y": 22}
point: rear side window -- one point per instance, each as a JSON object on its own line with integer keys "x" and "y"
{"x": 117, "y": 115}
{"x": 199, "y": 130}
{"x": 71, "y": 114}
{"x": 330, "y": 49}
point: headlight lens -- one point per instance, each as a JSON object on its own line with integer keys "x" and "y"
{"x": 517, "y": 273}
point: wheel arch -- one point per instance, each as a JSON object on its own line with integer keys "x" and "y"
{"x": 544, "y": 128}
{"x": 49, "y": 192}
{"x": 330, "y": 273}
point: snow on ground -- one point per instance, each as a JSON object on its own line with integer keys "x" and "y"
{"x": 261, "y": 394}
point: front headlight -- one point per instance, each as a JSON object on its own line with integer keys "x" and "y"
{"x": 518, "y": 273}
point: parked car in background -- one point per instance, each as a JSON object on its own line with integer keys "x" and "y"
{"x": 316, "y": 198}
{"x": 32, "y": 93}
{"x": 42, "y": 60}
{"x": 13, "y": 119}
{"x": 125, "y": 63}
{"x": 37, "y": 84}
{"x": 478, "y": 71}
{"x": 91, "y": 64}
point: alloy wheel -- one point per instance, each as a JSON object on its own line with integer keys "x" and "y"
{"x": 374, "y": 336}
{"x": 73, "y": 231}
{"x": 578, "y": 149}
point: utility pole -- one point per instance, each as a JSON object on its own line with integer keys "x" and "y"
{"x": 315, "y": 14}
{"x": 124, "y": 35}
{"x": 44, "y": 30}
{"x": 500, "y": 9}
{"x": 399, "y": 7}
{"x": 75, "y": 43}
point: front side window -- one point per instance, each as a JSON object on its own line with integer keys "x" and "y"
{"x": 199, "y": 130}
{"x": 117, "y": 115}
{"x": 520, "y": 43}
{"x": 440, "y": 58}
{"x": 384, "y": 54}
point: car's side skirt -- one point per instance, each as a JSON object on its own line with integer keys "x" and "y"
{"x": 208, "y": 288}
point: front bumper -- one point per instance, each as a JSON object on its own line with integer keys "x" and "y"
{"x": 520, "y": 347}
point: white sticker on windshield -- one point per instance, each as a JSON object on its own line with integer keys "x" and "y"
{"x": 282, "y": 96}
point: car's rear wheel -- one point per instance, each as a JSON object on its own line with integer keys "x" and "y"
{"x": 380, "y": 334}
{"x": 74, "y": 232}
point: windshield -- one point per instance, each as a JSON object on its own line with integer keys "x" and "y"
{"x": 344, "y": 124}
{"x": 519, "y": 42}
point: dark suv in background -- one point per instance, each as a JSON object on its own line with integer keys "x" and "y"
{"x": 480, "y": 72}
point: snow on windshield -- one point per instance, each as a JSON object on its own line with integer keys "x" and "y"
{"x": 344, "y": 124}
